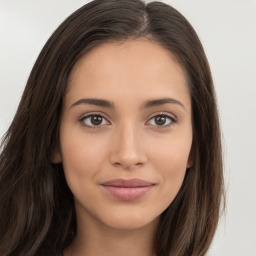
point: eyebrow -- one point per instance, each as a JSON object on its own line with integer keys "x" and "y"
{"x": 162, "y": 101}
{"x": 109, "y": 104}
{"x": 95, "y": 102}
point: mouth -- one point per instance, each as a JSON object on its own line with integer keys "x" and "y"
{"x": 127, "y": 190}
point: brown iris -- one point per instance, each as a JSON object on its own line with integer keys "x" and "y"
{"x": 160, "y": 120}
{"x": 96, "y": 119}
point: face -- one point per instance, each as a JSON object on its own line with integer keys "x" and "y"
{"x": 125, "y": 133}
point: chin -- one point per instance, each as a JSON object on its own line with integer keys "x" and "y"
{"x": 130, "y": 221}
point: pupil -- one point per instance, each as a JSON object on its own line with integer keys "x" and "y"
{"x": 160, "y": 120}
{"x": 96, "y": 120}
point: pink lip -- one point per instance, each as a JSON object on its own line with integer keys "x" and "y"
{"x": 127, "y": 190}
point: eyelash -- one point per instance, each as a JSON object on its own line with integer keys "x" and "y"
{"x": 165, "y": 115}
{"x": 172, "y": 120}
{"x": 82, "y": 120}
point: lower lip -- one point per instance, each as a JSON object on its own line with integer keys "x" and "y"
{"x": 127, "y": 194}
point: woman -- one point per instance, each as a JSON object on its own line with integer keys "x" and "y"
{"x": 115, "y": 147}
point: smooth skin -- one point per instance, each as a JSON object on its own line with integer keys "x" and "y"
{"x": 126, "y": 114}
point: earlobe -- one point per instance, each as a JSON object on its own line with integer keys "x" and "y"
{"x": 190, "y": 161}
{"x": 56, "y": 156}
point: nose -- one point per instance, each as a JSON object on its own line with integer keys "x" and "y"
{"x": 127, "y": 148}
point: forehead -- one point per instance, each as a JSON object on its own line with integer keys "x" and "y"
{"x": 130, "y": 68}
{"x": 127, "y": 53}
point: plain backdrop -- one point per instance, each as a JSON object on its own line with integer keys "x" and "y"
{"x": 227, "y": 29}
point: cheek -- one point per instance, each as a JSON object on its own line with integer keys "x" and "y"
{"x": 170, "y": 161}
{"x": 172, "y": 153}
{"x": 81, "y": 158}
{"x": 172, "y": 168}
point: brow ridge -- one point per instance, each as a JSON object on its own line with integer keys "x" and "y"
{"x": 109, "y": 104}
{"x": 161, "y": 101}
{"x": 93, "y": 101}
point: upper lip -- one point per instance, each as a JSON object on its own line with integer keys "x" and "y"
{"x": 131, "y": 183}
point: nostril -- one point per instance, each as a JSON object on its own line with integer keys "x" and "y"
{"x": 127, "y": 149}
{"x": 128, "y": 164}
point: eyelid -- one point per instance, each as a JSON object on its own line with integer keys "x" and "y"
{"x": 173, "y": 118}
{"x": 86, "y": 115}
{"x": 163, "y": 113}
{"x": 91, "y": 113}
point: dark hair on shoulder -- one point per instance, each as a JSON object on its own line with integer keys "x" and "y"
{"x": 37, "y": 214}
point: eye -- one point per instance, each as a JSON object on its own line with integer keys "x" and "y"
{"x": 93, "y": 121}
{"x": 161, "y": 120}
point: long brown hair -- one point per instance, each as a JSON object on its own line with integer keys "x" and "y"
{"x": 36, "y": 206}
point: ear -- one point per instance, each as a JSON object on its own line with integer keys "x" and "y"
{"x": 190, "y": 162}
{"x": 191, "y": 157}
{"x": 56, "y": 156}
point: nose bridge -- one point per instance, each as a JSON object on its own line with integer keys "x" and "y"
{"x": 127, "y": 149}
{"x": 128, "y": 135}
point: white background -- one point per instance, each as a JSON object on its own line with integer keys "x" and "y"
{"x": 227, "y": 29}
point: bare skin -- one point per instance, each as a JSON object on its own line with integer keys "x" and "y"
{"x": 126, "y": 115}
